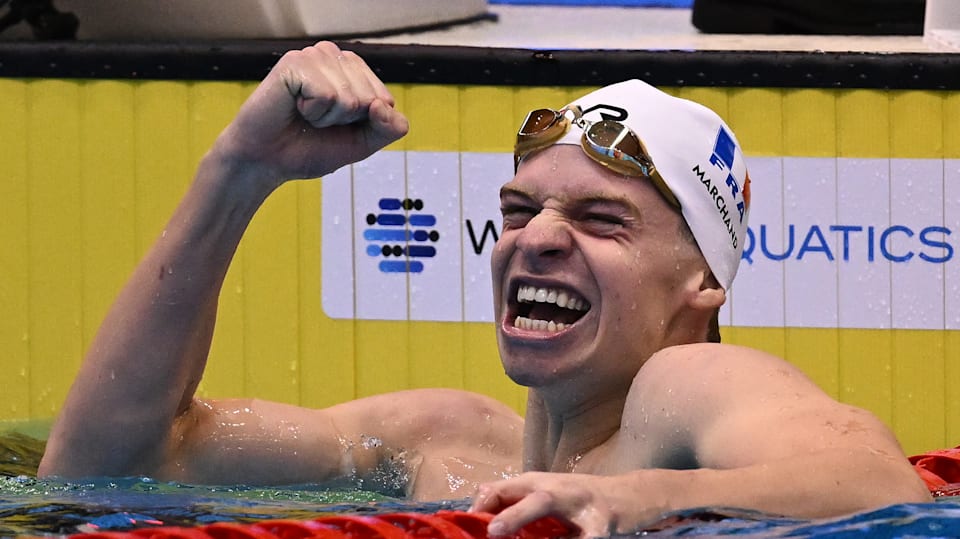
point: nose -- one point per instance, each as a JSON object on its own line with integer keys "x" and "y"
{"x": 546, "y": 236}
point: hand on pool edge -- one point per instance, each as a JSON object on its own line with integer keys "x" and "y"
{"x": 582, "y": 503}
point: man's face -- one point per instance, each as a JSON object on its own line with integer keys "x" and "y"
{"x": 600, "y": 267}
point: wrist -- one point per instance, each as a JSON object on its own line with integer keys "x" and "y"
{"x": 245, "y": 179}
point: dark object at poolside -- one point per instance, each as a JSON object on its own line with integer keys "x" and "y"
{"x": 46, "y": 22}
{"x": 837, "y": 17}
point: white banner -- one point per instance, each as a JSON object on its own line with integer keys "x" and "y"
{"x": 833, "y": 243}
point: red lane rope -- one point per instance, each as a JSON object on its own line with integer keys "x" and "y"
{"x": 440, "y": 525}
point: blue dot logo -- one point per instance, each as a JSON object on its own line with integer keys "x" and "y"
{"x": 400, "y": 235}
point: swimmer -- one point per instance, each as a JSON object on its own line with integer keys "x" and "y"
{"x": 621, "y": 235}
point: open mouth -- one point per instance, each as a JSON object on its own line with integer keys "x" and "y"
{"x": 547, "y": 309}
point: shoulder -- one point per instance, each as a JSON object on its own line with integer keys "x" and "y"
{"x": 718, "y": 363}
{"x": 701, "y": 381}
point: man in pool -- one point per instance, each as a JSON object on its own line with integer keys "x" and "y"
{"x": 619, "y": 241}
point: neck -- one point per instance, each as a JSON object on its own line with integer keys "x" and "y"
{"x": 557, "y": 435}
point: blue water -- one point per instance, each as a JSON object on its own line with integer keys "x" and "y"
{"x": 29, "y": 506}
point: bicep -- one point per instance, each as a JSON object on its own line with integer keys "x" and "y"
{"x": 261, "y": 442}
{"x": 758, "y": 430}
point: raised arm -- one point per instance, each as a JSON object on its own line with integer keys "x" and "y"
{"x": 319, "y": 108}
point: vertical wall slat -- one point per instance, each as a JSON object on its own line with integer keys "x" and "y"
{"x": 107, "y": 169}
{"x": 14, "y": 259}
{"x": 211, "y": 106}
{"x": 815, "y": 351}
{"x": 919, "y": 356}
{"x": 436, "y": 350}
{"x": 55, "y": 243}
{"x": 326, "y": 346}
{"x": 951, "y": 141}
{"x": 863, "y": 130}
{"x": 755, "y": 115}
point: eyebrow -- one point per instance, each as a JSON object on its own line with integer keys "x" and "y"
{"x": 587, "y": 199}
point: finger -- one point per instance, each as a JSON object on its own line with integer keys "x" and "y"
{"x": 489, "y": 499}
{"x": 386, "y": 125}
{"x": 325, "y": 95}
{"x": 532, "y": 507}
{"x": 353, "y": 93}
{"x": 379, "y": 88}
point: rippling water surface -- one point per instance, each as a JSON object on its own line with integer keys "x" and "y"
{"x": 29, "y": 506}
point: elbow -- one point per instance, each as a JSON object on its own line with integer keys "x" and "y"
{"x": 895, "y": 483}
{"x": 49, "y": 466}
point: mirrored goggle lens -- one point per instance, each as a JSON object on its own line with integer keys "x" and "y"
{"x": 616, "y": 136}
{"x": 538, "y": 121}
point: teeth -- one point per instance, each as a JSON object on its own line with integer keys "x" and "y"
{"x": 538, "y": 325}
{"x": 561, "y": 298}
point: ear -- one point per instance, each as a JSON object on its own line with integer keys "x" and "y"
{"x": 705, "y": 293}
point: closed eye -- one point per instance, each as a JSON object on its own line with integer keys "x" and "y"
{"x": 517, "y": 216}
{"x": 602, "y": 223}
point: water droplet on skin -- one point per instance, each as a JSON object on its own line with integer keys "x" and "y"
{"x": 370, "y": 442}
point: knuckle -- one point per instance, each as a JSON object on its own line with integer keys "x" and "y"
{"x": 323, "y": 94}
{"x": 350, "y": 104}
{"x": 325, "y": 47}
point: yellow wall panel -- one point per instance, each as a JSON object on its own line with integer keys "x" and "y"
{"x": 14, "y": 260}
{"x": 816, "y": 351}
{"x": 164, "y": 166}
{"x": 436, "y": 354}
{"x": 918, "y": 396}
{"x": 951, "y": 381}
{"x": 382, "y": 356}
{"x": 327, "y": 369}
{"x": 211, "y": 107}
{"x": 107, "y": 162}
{"x": 863, "y": 123}
{"x": 866, "y": 370}
{"x": 434, "y": 113}
{"x": 486, "y": 127}
{"x": 951, "y": 125}
{"x": 54, "y": 241}
{"x": 270, "y": 314}
{"x": 755, "y": 115}
{"x": 918, "y": 117}
{"x": 809, "y": 123}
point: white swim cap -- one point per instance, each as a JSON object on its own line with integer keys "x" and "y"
{"x": 698, "y": 157}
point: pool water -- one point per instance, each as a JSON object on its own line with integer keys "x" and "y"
{"x": 29, "y": 506}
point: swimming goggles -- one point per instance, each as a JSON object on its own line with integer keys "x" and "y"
{"x": 607, "y": 142}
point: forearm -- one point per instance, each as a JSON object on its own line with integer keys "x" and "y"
{"x": 149, "y": 354}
